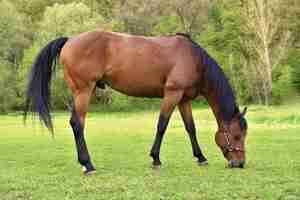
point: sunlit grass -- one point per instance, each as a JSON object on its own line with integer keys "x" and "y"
{"x": 33, "y": 165}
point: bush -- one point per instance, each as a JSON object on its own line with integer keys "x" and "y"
{"x": 283, "y": 86}
{"x": 7, "y": 95}
{"x": 296, "y": 78}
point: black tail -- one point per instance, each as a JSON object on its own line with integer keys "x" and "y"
{"x": 38, "y": 91}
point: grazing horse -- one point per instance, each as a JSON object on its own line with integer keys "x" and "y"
{"x": 174, "y": 68}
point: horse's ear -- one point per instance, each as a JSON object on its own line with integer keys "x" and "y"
{"x": 244, "y": 111}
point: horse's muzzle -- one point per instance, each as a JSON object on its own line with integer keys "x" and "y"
{"x": 236, "y": 164}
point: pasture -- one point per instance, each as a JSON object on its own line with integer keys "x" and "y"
{"x": 33, "y": 165}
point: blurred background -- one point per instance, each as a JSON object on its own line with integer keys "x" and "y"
{"x": 257, "y": 43}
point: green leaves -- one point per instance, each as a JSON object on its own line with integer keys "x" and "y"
{"x": 67, "y": 20}
{"x": 12, "y": 32}
{"x": 168, "y": 25}
{"x": 13, "y": 40}
{"x": 219, "y": 26}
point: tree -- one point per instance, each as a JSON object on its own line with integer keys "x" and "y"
{"x": 13, "y": 40}
{"x": 67, "y": 20}
{"x": 266, "y": 40}
{"x": 193, "y": 14}
{"x": 104, "y": 8}
{"x": 139, "y": 16}
{"x": 12, "y": 33}
{"x": 294, "y": 52}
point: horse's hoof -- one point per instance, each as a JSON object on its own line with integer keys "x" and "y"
{"x": 156, "y": 167}
{"x": 202, "y": 163}
{"x": 87, "y": 172}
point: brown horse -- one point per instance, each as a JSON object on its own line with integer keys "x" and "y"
{"x": 174, "y": 68}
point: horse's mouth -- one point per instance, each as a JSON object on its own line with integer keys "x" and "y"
{"x": 236, "y": 164}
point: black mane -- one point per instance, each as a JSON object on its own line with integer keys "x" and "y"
{"x": 184, "y": 35}
{"x": 219, "y": 82}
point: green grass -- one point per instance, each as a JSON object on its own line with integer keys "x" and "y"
{"x": 35, "y": 166}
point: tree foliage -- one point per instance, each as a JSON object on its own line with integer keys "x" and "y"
{"x": 67, "y": 20}
{"x": 256, "y": 42}
{"x": 13, "y": 39}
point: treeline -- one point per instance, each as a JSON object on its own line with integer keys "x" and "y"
{"x": 256, "y": 42}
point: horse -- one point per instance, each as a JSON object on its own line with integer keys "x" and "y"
{"x": 174, "y": 68}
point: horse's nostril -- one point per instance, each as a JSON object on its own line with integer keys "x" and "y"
{"x": 242, "y": 163}
{"x": 233, "y": 163}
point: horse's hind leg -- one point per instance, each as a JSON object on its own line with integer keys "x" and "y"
{"x": 81, "y": 101}
{"x": 187, "y": 117}
{"x": 170, "y": 100}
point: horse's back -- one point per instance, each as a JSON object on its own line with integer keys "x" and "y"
{"x": 142, "y": 66}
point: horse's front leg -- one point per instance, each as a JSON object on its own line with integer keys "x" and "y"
{"x": 170, "y": 100}
{"x": 185, "y": 109}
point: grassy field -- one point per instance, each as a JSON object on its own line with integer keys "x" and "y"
{"x": 35, "y": 166}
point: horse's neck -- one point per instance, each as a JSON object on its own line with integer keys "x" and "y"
{"x": 212, "y": 101}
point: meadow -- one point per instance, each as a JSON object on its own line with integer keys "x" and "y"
{"x": 36, "y": 166}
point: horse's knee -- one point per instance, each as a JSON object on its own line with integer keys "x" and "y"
{"x": 162, "y": 125}
{"x": 72, "y": 122}
{"x": 75, "y": 126}
{"x": 75, "y": 123}
{"x": 190, "y": 128}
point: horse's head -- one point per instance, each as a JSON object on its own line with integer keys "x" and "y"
{"x": 231, "y": 140}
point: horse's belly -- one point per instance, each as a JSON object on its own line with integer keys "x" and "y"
{"x": 138, "y": 89}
